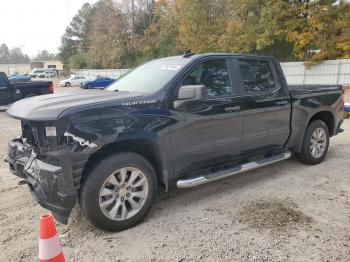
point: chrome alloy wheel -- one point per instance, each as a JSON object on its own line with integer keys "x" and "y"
{"x": 123, "y": 193}
{"x": 318, "y": 142}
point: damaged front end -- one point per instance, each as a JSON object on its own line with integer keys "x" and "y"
{"x": 51, "y": 161}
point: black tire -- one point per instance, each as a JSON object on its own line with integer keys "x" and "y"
{"x": 95, "y": 178}
{"x": 67, "y": 84}
{"x": 306, "y": 156}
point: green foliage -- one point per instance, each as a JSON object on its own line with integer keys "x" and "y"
{"x": 124, "y": 33}
{"x": 78, "y": 60}
{"x": 44, "y": 55}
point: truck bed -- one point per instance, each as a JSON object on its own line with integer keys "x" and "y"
{"x": 302, "y": 89}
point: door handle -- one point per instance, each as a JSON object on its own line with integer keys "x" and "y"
{"x": 232, "y": 108}
{"x": 282, "y": 103}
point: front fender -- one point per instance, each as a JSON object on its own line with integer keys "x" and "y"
{"x": 99, "y": 133}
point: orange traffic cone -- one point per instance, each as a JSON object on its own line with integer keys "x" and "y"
{"x": 50, "y": 249}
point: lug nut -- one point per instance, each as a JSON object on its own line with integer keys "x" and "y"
{"x": 122, "y": 198}
{"x": 128, "y": 188}
{"x": 128, "y": 195}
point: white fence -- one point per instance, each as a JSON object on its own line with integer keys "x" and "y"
{"x": 92, "y": 73}
{"x": 328, "y": 72}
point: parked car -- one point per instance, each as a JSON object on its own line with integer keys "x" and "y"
{"x": 173, "y": 122}
{"x": 16, "y": 78}
{"x": 42, "y": 72}
{"x": 47, "y": 74}
{"x": 73, "y": 81}
{"x": 347, "y": 110}
{"x": 14, "y": 91}
{"x": 98, "y": 82}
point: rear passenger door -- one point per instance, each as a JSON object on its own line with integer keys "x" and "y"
{"x": 265, "y": 107}
{"x": 210, "y": 132}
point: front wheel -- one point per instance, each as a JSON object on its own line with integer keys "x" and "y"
{"x": 316, "y": 143}
{"x": 118, "y": 192}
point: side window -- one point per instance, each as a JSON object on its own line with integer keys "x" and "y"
{"x": 214, "y": 75}
{"x": 256, "y": 76}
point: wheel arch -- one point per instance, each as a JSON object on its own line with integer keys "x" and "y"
{"x": 325, "y": 116}
{"x": 143, "y": 147}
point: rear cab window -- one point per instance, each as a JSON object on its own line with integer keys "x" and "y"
{"x": 257, "y": 76}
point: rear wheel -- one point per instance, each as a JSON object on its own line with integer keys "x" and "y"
{"x": 67, "y": 84}
{"x": 119, "y": 191}
{"x": 316, "y": 143}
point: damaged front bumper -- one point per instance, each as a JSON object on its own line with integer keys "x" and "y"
{"x": 51, "y": 185}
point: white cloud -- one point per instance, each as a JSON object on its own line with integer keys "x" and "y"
{"x": 35, "y": 25}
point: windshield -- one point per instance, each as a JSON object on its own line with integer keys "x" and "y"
{"x": 148, "y": 77}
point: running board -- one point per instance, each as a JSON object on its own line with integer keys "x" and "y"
{"x": 196, "y": 181}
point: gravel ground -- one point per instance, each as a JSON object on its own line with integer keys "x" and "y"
{"x": 284, "y": 212}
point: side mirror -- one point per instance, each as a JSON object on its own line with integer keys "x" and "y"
{"x": 190, "y": 93}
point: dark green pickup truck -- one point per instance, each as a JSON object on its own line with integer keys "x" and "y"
{"x": 174, "y": 122}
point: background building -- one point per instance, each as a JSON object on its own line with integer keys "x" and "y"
{"x": 55, "y": 64}
{"x": 26, "y": 68}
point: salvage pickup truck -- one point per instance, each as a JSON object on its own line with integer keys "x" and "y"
{"x": 178, "y": 121}
{"x": 11, "y": 91}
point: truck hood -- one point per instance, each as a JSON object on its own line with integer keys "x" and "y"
{"x": 49, "y": 107}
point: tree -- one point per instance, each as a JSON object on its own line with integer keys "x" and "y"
{"x": 103, "y": 45}
{"x": 324, "y": 33}
{"x": 201, "y": 23}
{"x": 78, "y": 61}
{"x": 160, "y": 38}
{"x": 17, "y": 56}
{"x": 75, "y": 38}
{"x": 4, "y": 54}
{"x": 125, "y": 33}
{"x": 45, "y": 55}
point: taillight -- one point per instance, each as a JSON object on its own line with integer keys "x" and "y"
{"x": 51, "y": 88}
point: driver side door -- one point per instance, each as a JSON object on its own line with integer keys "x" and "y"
{"x": 209, "y": 132}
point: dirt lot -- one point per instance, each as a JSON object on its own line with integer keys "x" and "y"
{"x": 284, "y": 212}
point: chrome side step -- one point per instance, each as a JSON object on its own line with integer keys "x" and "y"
{"x": 196, "y": 181}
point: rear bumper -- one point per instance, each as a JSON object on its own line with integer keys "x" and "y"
{"x": 47, "y": 183}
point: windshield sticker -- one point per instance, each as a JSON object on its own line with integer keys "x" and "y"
{"x": 170, "y": 67}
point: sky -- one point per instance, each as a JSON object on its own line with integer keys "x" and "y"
{"x": 34, "y": 25}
